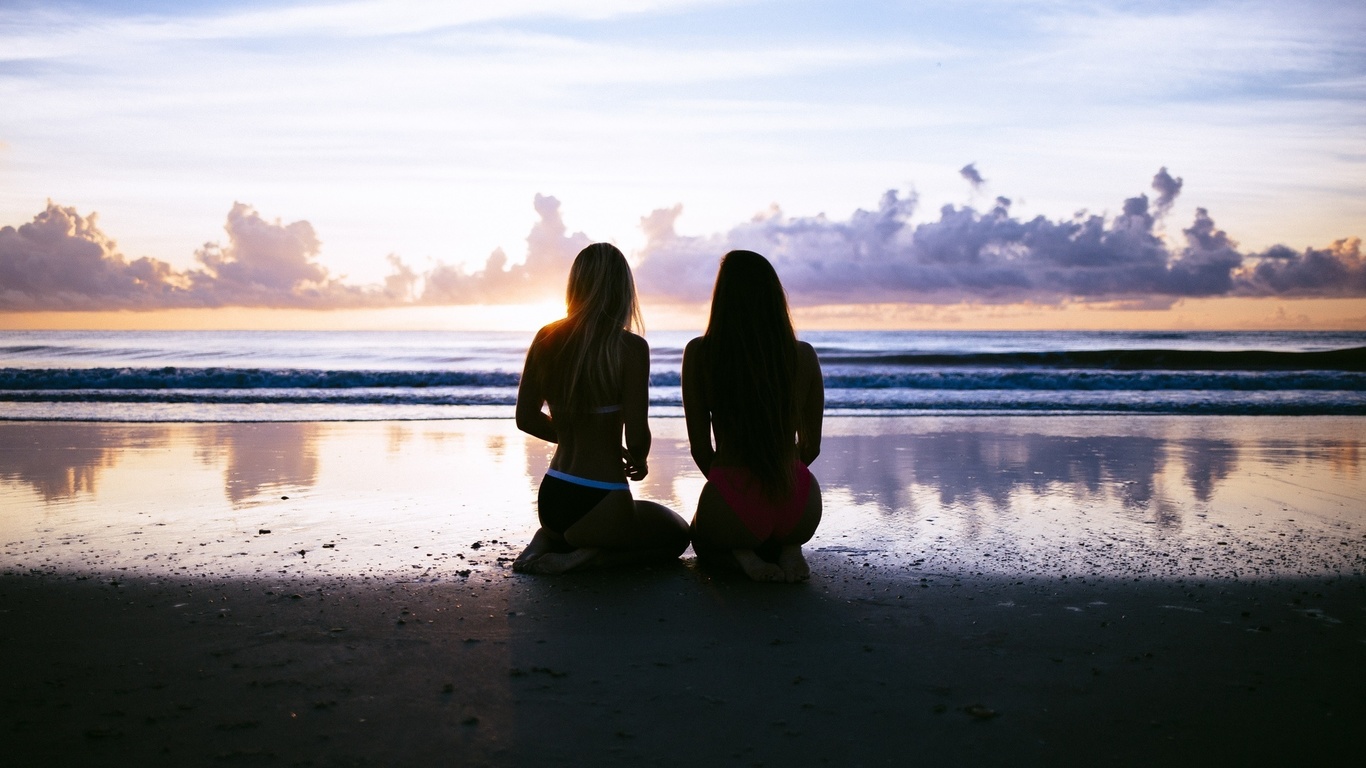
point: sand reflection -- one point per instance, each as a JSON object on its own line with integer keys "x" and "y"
{"x": 65, "y": 460}
{"x": 991, "y": 463}
{"x": 991, "y": 467}
{"x": 262, "y": 459}
{"x": 1172, "y": 495}
{"x": 60, "y": 460}
{"x": 1223, "y": 497}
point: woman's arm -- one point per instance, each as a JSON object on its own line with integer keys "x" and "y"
{"x": 530, "y": 398}
{"x": 696, "y": 409}
{"x": 635, "y": 405}
{"x": 810, "y": 403}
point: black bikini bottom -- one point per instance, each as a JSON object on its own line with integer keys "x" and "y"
{"x": 561, "y": 503}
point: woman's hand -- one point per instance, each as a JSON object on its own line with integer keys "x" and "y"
{"x": 635, "y": 470}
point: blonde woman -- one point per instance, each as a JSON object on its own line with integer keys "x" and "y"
{"x": 593, "y": 373}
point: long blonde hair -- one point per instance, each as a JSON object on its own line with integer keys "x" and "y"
{"x": 601, "y": 305}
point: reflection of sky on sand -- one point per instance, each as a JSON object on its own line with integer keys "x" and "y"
{"x": 348, "y": 499}
{"x": 262, "y": 458}
{"x": 1180, "y": 496}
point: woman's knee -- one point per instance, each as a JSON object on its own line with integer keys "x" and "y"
{"x": 664, "y": 524}
{"x": 810, "y": 518}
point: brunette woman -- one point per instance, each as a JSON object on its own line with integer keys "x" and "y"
{"x": 594, "y": 375}
{"x": 753, "y": 387}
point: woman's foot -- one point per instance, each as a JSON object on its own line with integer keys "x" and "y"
{"x": 757, "y": 568}
{"x": 793, "y": 564}
{"x": 542, "y": 544}
{"x": 560, "y": 562}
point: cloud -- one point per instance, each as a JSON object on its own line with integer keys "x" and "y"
{"x": 995, "y": 257}
{"x": 1167, "y": 190}
{"x": 970, "y": 173}
{"x": 550, "y": 251}
{"x": 62, "y": 261}
{"x": 1338, "y": 269}
{"x": 270, "y": 264}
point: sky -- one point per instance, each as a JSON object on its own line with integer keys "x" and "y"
{"x": 932, "y": 164}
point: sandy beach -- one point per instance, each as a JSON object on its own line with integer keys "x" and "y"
{"x": 997, "y": 590}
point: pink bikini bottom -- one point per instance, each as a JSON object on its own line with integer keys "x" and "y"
{"x": 763, "y": 518}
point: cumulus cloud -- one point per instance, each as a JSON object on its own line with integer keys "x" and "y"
{"x": 1339, "y": 269}
{"x": 550, "y": 251}
{"x": 994, "y": 257}
{"x": 270, "y": 264}
{"x": 62, "y": 261}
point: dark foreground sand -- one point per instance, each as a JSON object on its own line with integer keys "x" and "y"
{"x": 676, "y": 666}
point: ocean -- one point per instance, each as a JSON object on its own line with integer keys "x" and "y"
{"x": 213, "y": 376}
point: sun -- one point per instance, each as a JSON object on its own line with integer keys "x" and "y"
{"x": 511, "y": 317}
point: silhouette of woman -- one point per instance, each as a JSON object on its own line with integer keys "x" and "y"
{"x": 594, "y": 375}
{"x": 750, "y": 384}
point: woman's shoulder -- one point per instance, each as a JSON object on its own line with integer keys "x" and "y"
{"x": 807, "y": 361}
{"x": 548, "y": 332}
{"x": 634, "y": 344}
{"x": 694, "y": 355}
{"x": 547, "y": 343}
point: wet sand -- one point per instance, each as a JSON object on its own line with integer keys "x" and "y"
{"x": 1014, "y": 590}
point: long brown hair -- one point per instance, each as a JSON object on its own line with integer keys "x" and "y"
{"x": 601, "y": 304}
{"x": 751, "y": 367}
